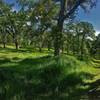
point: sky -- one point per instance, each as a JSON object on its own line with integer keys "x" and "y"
{"x": 93, "y": 16}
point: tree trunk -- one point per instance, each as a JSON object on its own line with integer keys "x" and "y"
{"x": 40, "y": 46}
{"x": 16, "y": 44}
{"x": 62, "y": 48}
{"x": 15, "y": 40}
{"x": 4, "y": 45}
{"x": 82, "y": 46}
{"x": 40, "y": 49}
{"x": 58, "y": 38}
{"x": 67, "y": 49}
{"x": 58, "y": 32}
{"x": 49, "y": 45}
{"x": 73, "y": 45}
{"x": 78, "y": 42}
{"x": 4, "y": 40}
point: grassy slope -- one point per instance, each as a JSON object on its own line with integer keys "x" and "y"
{"x": 26, "y": 72}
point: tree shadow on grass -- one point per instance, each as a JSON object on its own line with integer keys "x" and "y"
{"x": 94, "y": 90}
{"x": 38, "y": 60}
{"x": 5, "y": 60}
{"x": 2, "y": 50}
{"x": 22, "y": 50}
{"x": 48, "y": 82}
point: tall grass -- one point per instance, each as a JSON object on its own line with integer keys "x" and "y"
{"x": 33, "y": 76}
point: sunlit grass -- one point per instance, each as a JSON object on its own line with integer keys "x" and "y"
{"x": 25, "y": 68}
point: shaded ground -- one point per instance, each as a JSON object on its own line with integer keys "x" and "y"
{"x": 23, "y": 76}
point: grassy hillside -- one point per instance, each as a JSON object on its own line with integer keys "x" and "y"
{"x": 29, "y": 75}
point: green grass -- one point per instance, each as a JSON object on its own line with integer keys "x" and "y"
{"x": 29, "y": 75}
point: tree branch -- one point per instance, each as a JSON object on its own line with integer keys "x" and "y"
{"x": 78, "y": 2}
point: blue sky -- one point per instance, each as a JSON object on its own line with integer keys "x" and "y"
{"x": 93, "y": 16}
{"x": 14, "y": 2}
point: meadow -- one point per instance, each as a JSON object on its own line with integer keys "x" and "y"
{"x": 26, "y": 74}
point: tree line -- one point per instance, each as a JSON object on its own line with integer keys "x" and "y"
{"x": 49, "y": 24}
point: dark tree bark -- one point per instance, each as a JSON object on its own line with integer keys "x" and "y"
{"x": 61, "y": 19}
{"x": 16, "y": 41}
{"x": 4, "y": 45}
{"x": 49, "y": 45}
{"x": 58, "y": 33}
{"x": 4, "y": 40}
{"x": 58, "y": 37}
{"x": 16, "y": 45}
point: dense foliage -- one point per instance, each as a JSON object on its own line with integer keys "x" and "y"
{"x": 37, "y": 24}
{"x": 46, "y": 53}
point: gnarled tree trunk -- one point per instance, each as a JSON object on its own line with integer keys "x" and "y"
{"x": 59, "y": 29}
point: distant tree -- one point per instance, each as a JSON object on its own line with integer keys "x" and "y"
{"x": 67, "y": 9}
{"x": 15, "y": 26}
{"x": 78, "y": 37}
{"x": 86, "y": 32}
{"x": 4, "y": 12}
{"x": 95, "y": 50}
